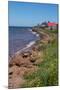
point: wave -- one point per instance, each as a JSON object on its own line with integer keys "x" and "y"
{"x": 31, "y": 43}
{"x": 34, "y": 33}
{"x": 27, "y": 47}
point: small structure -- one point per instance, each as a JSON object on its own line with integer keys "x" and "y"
{"x": 52, "y": 26}
{"x": 49, "y": 25}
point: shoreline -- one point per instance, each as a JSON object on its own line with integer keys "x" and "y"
{"x": 21, "y": 63}
{"x": 28, "y": 46}
{"x": 28, "y": 62}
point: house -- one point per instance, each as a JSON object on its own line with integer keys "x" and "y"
{"x": 52, "y": 25}
{"x": 46, "y": 25}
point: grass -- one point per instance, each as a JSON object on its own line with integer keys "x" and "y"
{"x": 47, "y": 74}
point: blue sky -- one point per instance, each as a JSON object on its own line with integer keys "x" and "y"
{"x": 31, "y": 14}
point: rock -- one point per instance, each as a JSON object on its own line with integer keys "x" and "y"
{"x": 21, "y": 59}
{"x": 26, "y": 54}
{"x": 17, "y": 60}
{"x": 20, "y": 65}
{"x": 33, "y": 59}
{"x": 34, "y": 56}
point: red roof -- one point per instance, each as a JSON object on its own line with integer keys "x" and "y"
{"x": 52, "y": 24}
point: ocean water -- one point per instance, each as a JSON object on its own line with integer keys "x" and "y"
{"x": 20, "y": 37}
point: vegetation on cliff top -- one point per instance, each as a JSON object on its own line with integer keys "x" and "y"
{"x": 47, "y": 74}
{"x": 39, "y": 66}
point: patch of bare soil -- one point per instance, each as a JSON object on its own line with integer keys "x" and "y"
{"x": 20, "y": 65}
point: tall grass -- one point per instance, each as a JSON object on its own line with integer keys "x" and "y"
{"x": 47, "y": 74}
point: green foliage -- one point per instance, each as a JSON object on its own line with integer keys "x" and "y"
{"x": 47, "y": 75}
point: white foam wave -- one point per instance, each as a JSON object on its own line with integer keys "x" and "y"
{"x": 34, "y": 33}
{"x": 30, "y": 30}
{"x": 30, "y": 44}
{"x": 27, "y": 46}
{"x": 37, "y": 35}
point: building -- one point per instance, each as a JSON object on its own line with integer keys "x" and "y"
{"x": 52, "y": 25}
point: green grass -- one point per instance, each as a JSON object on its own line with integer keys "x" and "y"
{"x": 47, "y": 75}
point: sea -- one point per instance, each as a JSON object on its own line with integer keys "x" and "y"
{"x": 21, "y": 38}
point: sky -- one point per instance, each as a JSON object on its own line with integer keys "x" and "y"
{"x": 31, "y": 14}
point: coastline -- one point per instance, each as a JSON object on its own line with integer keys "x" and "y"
{"x": 29, "y": 45}
{"x": 26, "y": 48}
{"x": 17, "y": 61}
{"x": 28, "y": 62}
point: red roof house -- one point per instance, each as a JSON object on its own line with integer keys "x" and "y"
{"x": 52, "y": 24}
